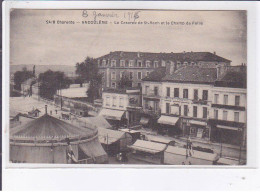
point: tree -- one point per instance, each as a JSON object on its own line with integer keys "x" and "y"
{"x": 51, "y": 81}
{"x": 125, "y": 82}
{"x": 88, "y": 71}
{"x": 21, "y": 76}
{"x": 94, "y": 87}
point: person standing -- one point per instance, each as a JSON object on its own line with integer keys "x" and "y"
{"x": 71, "y": 159}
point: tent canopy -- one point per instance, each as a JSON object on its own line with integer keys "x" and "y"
{"x": 168, "y": 120}
{"x": 112, "y": 114}
{"x": 228, "y": 161}
{"x": 129, "y": 130}
{"x": 227, "y": 127}
{"x": 49, "y": 128}
{"x": 147, "y": 146}
{"x": 195, "y": 154}
{"x": 109, "y": 136}
{"x": 158, "y": 139}
{"x": 94, "y": 150}
{"x": 98, "y": 121}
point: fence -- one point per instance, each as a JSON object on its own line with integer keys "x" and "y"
{"x": 71, "y": 103}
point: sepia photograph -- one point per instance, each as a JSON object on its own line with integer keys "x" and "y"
{"x": 131, "y": 87}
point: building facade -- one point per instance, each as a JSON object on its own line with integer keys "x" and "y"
{"x": 138, "y": 65}
{"x": 228, "y": 115}
{"x": 121, "y": 106}
{"x": 186, "y": 101}
{"x": 206, "y": 104}
{"x": 151, "y": 96}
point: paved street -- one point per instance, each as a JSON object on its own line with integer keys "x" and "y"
{"x": 227, "y": 150}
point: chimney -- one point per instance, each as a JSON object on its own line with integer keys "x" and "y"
{"x": 138, "y": 54}
{"x": 46, "y": 109}
{"x": 121, "y": 54}
{"x": 214, "y": 52}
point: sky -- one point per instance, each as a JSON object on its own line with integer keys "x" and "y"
{"x": 33, "y": 41}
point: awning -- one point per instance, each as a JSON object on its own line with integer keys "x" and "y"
{"x": 144, "y": 120}
{"x": 129, "y": 130}
{"x": 172, "y": 155}
{"x": 147, "y": 146}
{"x": 109, "y": 136}
{"x": 227, "y": 161}
{"x": 112, "y": 114}
{"x": 194, "y": 122}
{"x": 168, "y": 120}
{"x": 227, "y": 127}
{"x": 94, "y": 150}
{"x": 158, "y": 139}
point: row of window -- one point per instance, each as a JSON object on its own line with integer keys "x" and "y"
{"x": 176, "y": 93}
{"x": 225, "y": 99}
{"x": 205, "y": 112}
{"x": 130, "y": 63}
{"x": 114, "y": 85}
{"x": 131, "y": 75}
{"x": 225, "y": 115}
{"x": 155, "y": 90}
{"x": 186, "y": 110}
{"x": 114, "y": 101}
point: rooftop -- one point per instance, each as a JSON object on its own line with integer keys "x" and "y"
{"x": 233, "y": 80}
{"x": 180, "y": 57}
{"x": 122, "y": 91}
{"x": 74, "y": 92}
{"x": 156, "y": 75}
{"x": 48, "y": 127}
{"x": 193, "y": 75}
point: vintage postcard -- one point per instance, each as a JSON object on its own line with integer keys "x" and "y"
{"x": 132, "y": 87}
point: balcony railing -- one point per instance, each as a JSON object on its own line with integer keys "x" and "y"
{"x": 200, "y": 101}
{"x": 240, "y": 108}
{"x": 152, "y": 111}
{"x": 151, "y": 95}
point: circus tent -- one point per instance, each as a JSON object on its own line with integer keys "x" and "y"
{"x": 44, "y": 140}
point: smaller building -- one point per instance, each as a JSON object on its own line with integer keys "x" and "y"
{"x": 229, "y": 106}
{"x": 151, "y": 96}
{"x": 121, "y": 107}
{"x": 34, "y": 113}
{"x": 148, "y": 151}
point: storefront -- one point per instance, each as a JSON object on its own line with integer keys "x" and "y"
{"x": 228, "y": 132}
{"x": 147, "y": 151}
{"x": 168, "y": 125}
{"x": 133, "y": 116}
{"x": 116, "y": 118}
{"x": 199, "y": 129}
